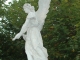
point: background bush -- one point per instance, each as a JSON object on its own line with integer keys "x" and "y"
{"x": 61, "y": 31}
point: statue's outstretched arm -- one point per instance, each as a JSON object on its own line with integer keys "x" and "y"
{"x": 23, "y": 30}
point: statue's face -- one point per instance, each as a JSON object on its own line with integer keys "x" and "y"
{"x": 26, "y": 10}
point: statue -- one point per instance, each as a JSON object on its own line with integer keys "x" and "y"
{"x": 33, "y": 25}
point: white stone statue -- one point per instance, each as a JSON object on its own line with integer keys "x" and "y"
{"x": 33, "y": 25}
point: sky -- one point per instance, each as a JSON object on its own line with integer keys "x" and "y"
{"x": 7, "y": 2}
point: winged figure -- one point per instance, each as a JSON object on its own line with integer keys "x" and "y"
{"x": 33, "y": 25}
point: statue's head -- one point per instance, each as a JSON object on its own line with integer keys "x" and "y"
{"x": 28, "y": 8}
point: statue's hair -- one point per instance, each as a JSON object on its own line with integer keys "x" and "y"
{"x": 28, "y": 6}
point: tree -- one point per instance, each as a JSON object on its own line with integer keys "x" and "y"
{"x": 60, "y": 32}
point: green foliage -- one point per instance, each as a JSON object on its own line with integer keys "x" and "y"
{"x": 61, "y": 31}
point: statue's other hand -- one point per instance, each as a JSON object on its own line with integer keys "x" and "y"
{"x": 16, "y": 37}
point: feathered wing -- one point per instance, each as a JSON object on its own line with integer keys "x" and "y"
{"x": 42, "y": 10}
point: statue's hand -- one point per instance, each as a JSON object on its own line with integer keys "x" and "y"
{"x": 17, "y": 37}
{"x": 24, "y": 36}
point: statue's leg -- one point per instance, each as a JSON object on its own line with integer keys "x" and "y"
{"x": 41, "y": 53}
{"x": 29, "y": 56}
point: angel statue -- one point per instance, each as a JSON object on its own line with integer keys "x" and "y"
{"x": 32, "y": 27}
